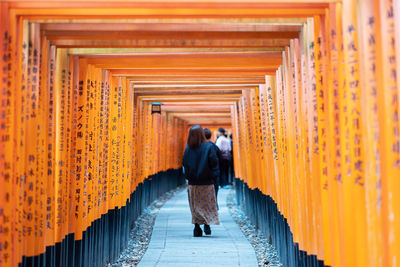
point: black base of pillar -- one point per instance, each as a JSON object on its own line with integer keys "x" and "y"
{"x": 264, "y": 214}
{"x": 107, "y": 237}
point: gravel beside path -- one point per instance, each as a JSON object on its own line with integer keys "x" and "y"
{"x": 139, "y": 237}
{"x": 267, "y": 255}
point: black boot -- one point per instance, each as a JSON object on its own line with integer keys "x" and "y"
{"x": 207, "y": 229}
{"x": 197, "y": 232}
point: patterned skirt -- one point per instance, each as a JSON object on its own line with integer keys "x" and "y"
{"x": 203, "y": 204}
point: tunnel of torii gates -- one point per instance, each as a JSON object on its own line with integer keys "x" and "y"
{"x": 309, "y": 91}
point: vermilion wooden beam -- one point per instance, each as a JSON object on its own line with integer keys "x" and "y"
{"x": 200, "y": 115}
{"x": 211, "y": 124}
{"x": 191, "y": 90}
{"x": 274, "y": 44}
{"x": 208, "y": 55}
{"x": 166, "y": 80}
{"x": 208, "y": 121}
{"x": 216, "y": 124}
{"x": 206, "y": 61}
{"x": 198, "y": 84}
{"x": 197, "y": 108}
{"x": 193, "y": 87}
{"x": 59, "y": 29}
{"x": 167, "y": 35}
{"x": 189, "y": 78}
{"x": 139, "y": 84}
{"x": 191, "y": 107}
{"x": 206, "y": 92}
{"x": 212, "y": 121}
{"x": 200, "y": 110}
{"x": 192, "y": 4}
{"x": 208, "y": 108}
{"x": 184, "y": 98}
{"x": 193, "y": 103}
{"x": 46, "y": 9}
{"x": 188, "y": 71}
{"x": 202, "y": 118}
{"x": 179, "y": 80}
{"x": 124, "y": 51}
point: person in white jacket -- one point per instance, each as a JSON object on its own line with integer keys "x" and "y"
{"x": 224, "y": 146}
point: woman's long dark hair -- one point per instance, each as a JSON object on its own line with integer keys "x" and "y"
{"x": 196, "y": 136}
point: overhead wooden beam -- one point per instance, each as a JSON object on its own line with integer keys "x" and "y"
{"x": 250, "y": 54}
{"x": 103, "y": 42}
{"x": 121, "y": 50}
{"x": 187, "y": 91}
{"x": 165, "y": 4}
{"x": 155, "y": 80}
{"x": 226, "y": 125}
{"x": 186, "y": 108}
{"x": 205, "y": 92}
{"x": 202, "y": 120}
{"x": 193, "y": 87}
{"x": 58, "y": 29}
{"x": 190, "y": 83}
{"x": 190, "y": 36}
{"x": 183, "y": 78}
{"x": 201, "y": 115}
{"x": 208, "y": 121}
{"x": 194, "y": 103}
{"x": 185, "y": 98}
{"x": 119, "y": 10}
{"x": 187, "y": 71}
{"x": 139, "y": 84}
{"x": 206, "y": 61}
{"x": 139, "y": 80}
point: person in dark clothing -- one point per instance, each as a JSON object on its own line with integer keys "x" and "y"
{"x": 224, "y": 146}
{"x": 231, "y": 166}
{"x": 208, "y": 136}
{"x": 200, "y": 163}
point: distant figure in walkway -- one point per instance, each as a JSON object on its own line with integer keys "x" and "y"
{"x": 208, "y": 135}
{"x": 201, "y": 170}
{"x": 225, "y": 146}
{"x": 231, "y": 165}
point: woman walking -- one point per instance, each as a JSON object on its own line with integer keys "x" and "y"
{"x": 201, "y": 170}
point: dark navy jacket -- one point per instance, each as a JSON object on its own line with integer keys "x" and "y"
{"x": 218, "y": 152}
{"x": 201, "y": 164}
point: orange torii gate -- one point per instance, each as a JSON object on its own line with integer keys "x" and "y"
{"x": 311, "y": 95}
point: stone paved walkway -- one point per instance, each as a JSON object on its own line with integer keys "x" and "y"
{"x": 172, "y": 242}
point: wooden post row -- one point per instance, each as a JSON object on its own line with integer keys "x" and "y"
{"x": 321, "y": 137}
{"x": 70, "y": 148}
{"x": 329, "y": 135}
